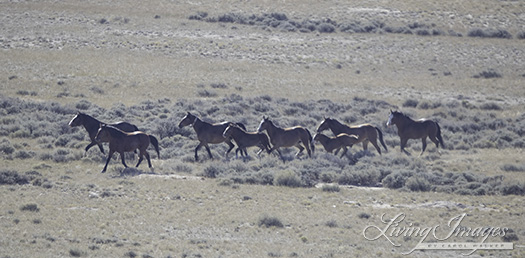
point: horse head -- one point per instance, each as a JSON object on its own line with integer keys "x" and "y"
{"x": 77, "y": 120}
{"x": 393, "y": 117}
{"x": 188, "y": 119}
{"x": 264, "y": 124}
{"x": 229, "y": 130}
{"x": 101, "y": 133}
{"x": 324, "y": 124}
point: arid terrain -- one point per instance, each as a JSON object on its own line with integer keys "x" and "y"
{"x": 460, "y": 63}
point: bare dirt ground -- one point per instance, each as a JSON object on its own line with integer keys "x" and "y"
{"x": 132, "y": 51}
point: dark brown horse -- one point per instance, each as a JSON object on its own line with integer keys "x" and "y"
{"x": 92, "y": 125}
{"x": 341, "y": 141}
{"x": 245, "y": 139}
{"x": 410, "y": 129}
{"x": 287, "y": 137}
{"x": 120, "y": 141}
{"x": 365, "y": 133}
{"x": 208, "y": 133}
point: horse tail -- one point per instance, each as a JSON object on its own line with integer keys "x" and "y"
{"x": 440, "y": 139}
{"x": 310, "y": 141}
{"x": 155, "y": 143}
{"x": 381, "y": 138}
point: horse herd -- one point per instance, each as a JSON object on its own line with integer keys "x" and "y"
{"x": 125, "y": 137}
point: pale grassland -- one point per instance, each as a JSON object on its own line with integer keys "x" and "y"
{"x": 147, "y": 63}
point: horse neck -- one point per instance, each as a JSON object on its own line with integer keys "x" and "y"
{"x": 91, "y": 124}
{"x": 234, "y": 132}
{"x": 237, "y": 131}
{"x": 198, "y": 124}
{"x": 336, "y": 127}
{"x": 322, "y": 138}
{"x": 272, "y": 129}
{"x": 405, "y": 120}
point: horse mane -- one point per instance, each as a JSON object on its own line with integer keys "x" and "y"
{"x": 321, "y": 135}
{"x": 403, "y": 115}
{"x": 90, "y": 122}
{"x": 237, "y": 126}
{"x": 334, "y": 120}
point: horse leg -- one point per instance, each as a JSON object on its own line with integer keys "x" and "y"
{"x": 93, "y": 143}
{"x": 365, "y": 145}
{"x": 209, "y": 151}
{"x": 140, "y": 160}
{"x": 259, "y": 152}
{"x": 301, "y": 148}
{"x": 344, "y": 151}
{"x": 123, "y": 160}
{"x": 280, "y": 154}
{"x": 424, "y": 142}
{"x": 307, "y": 146}
{"x": 403, "y": 144}
{"x": 148, "y": 158}
{"x": 377, "y": 146}
{"x": 107, "y": 160}
{"x": 237, "y": 151}
{"x": 436, "y": 142}
{"x": 228, "y": 151}
{"x": 337, "y": 151}
{"x": 196, "y": 150}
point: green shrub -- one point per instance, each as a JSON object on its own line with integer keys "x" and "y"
{"x": 22, "y": 154}
{"x": 287, "y": 178}
{"x": 410, "y": 103}
{"x": 418, "y": 184}
{"x": 489, "y": 33}
{"x": 513, "y": 168}
{"x": 331, "y": 188}
{"x": 488, "y": 75}
{"x": 363, "y": 215}
{"x": 6, "y": 147}
{"x": 490, "y": 106}
{"x": 212, "y": 171}
{"x": 396, "y": 180}
{"x": 30, "y": 207}
{"x": 11, "y": 177}
{"x": 515, "y": 188}
{"x": 268, "y": 221}
{"x": 331, "y": 224}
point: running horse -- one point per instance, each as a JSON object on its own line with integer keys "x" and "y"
{"x": 287, "y": 137}
{"x": 410, "y": 129}
{"x": 365, "y": 133}
{"x": 120, "y": 141}
{"x": 92, "y": 125}
{"x": 341, "y": 141}
{"x": 245, "y": 139}
{"x": 208, "y": 133}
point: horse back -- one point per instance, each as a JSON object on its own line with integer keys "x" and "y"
{"x": 362, "y": 131}
{"x": 125, "y": 126}
{"x": 347, "y": 139}
{"x": 419, "y": 129}
{"x": 211, "y": 133}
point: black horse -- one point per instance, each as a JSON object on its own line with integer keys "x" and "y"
{"x": 92, "y": 125}
{"x": 415, "y": 129}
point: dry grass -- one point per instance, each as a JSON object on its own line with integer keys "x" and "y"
{"x": 148, "y": 64}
